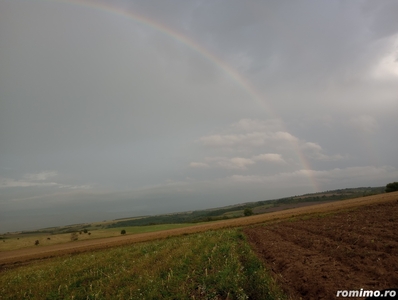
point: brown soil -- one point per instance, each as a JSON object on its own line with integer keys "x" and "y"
{"x": 316, "y": 257}
{"x": 9, "y": 259}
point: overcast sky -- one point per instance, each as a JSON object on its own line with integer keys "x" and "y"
{"x": 113, "y": 109}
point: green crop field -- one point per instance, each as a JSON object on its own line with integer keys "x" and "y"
{"x": 211, "y": 265}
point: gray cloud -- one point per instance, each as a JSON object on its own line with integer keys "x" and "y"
{"x": 364, "y": 123}
{"x": 205, "y": 104}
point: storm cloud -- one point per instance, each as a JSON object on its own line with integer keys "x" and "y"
{"x": 122, "y": 108}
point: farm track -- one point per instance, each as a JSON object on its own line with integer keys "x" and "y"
{"x": 9, "y": 259}
{"x": 316, "y": 257}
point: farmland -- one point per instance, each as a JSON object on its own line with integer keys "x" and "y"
{"x": 307, "y": 252}
{"x": 210, "y": 265}
{"x": 20, "y": 241}
{"x": 314, "y": 257}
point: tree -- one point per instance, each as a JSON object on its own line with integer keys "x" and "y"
{"x": 392, "y": 187}
{"x": 248, "y": 212}
{"x": 74, "y": 236}
{"x": 85, "y": 230}
{"x": 123, "y": 232}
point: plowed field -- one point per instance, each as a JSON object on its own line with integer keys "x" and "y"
{"x": 316, "y": 257}
{"x": 10, "y": 259}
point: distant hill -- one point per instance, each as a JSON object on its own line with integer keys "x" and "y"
{"x": 214, "y": 214}
{"x": 234, "y": 211}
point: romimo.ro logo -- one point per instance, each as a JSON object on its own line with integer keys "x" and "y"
{"x": 386, "y": 294}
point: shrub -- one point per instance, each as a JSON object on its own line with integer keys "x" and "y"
{"x": 85, "y": 230}
{"x": 392, "y": 187}
{"x": 123, "y": 232}
{"x": 37, "y": 242}
{"x": 248, "y": 212}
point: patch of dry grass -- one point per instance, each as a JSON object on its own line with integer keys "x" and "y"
{"x": 19, "y": 241}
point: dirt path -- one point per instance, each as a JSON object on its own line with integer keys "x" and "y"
{"x": 23, "y": 256}
{"x": 314, "y": 258}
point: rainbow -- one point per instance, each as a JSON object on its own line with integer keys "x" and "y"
{"x": 193, "y": 45}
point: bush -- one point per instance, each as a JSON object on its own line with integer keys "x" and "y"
{"x": 248, "y": 212}
{"x": 85, "y": 230}
{"x": 392, "y": 187}
{"x": 123, "y": 232}
{"x": 37, "y": 242}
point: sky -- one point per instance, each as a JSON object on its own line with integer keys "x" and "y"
{"x": 121, "y": 108}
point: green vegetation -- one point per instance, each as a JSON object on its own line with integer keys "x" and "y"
{"x": 392, "y": 187}
{"x": 248, "y": 212}
{"x": 123, "y": 231}
{"x": 211, "y": 265}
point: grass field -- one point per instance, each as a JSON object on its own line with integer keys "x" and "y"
{"x": 19, "y": 241}
{"x": 211, "y": 265}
